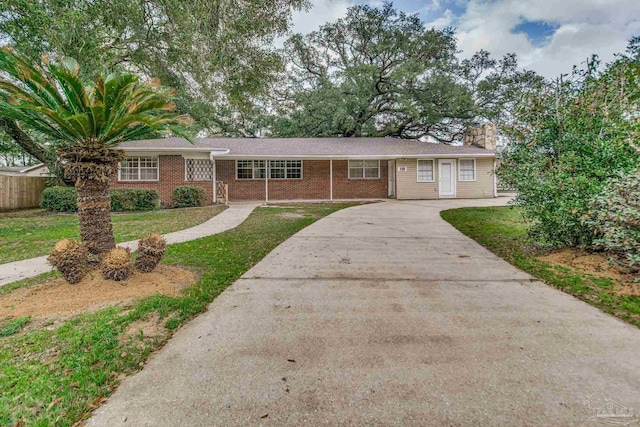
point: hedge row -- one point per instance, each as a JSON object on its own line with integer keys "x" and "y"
{"x": 63, "y": 199}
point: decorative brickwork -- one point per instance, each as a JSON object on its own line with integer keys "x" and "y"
{"x": 313, "y": 185}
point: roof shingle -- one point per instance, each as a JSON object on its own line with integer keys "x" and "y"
{"x": 314, "y": 147}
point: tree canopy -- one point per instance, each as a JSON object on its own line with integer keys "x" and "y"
{"x": 381, "y": 72}
{"x": 217, "y": 54}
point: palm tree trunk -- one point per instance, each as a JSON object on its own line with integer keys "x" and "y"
{"x": 94, "y": 215}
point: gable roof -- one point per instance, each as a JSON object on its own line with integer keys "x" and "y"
{"x": 235, "y": 148}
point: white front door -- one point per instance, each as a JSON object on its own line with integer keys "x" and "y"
{"x": 392, "y": 179}
{"x": 447, "y": 177}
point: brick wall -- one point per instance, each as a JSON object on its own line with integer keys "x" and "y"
{"x": 171, "y": 170}
{"x": 345, "y": 188}
{"x": 314, "y": 185}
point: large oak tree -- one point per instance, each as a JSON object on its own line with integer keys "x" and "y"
{"x": 381, "y": 72}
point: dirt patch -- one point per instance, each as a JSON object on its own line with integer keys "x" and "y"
{"x": 595, "y": 264}
{"x": 291, "y": 215}
{"x": 56, "y": 297}
{"x": 151, "y": 327}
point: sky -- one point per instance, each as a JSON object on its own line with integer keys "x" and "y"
{"x": 549, "y": 36}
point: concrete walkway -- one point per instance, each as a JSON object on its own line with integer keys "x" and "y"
{"x": 384, "y": 314}
{"x": 229, "y": 218}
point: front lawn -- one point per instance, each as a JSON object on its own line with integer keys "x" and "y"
{"x": 56, "y": 374}
{"x": 503, "y": 231}
{"x": 31, "y": 233}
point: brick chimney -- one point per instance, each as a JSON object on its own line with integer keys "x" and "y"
{"x": 483, "y": 136}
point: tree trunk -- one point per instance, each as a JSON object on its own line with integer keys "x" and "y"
{"x": 94, "y": 215}
{"x": 11, "y": 128}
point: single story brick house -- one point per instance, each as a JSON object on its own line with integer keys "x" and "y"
{"x": 270, "y": 169}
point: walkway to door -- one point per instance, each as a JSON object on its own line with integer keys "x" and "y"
{"x": 383, "y": 314}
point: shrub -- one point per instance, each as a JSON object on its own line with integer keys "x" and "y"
{"x": 188, "y": 196}
{"x": 565, "y": 142}
{"x": 70, "y": 257}
{"x": 59, "y": 199}
{"x": 117, "y": 264}
{"x": 615, "y": 218}
{"x": 132, "y": 199}
{"x": 63, "y": 199}
{"x": 151, "y": 249}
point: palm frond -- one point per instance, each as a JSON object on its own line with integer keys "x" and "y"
{"x": 52, "y": 99}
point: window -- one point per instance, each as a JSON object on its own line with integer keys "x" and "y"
{"x": 425, "y": 170}
{"x": 364, "y": 169}
{"x": 467, "y": 169}
{"x": 139, "y": 168}
{"x": 250, "y": 169}
{"x": 198, "y": 170}
{"x": 285, "y": 169}
{"x": 278, "y": 169}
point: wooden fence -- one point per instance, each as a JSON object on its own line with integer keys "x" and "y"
{"x": 19, "y": 192}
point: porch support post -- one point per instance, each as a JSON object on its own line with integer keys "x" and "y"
{"x": 266, "y": 181}
{"x": 214, "y": 183}
{"x": 331, "y": 179}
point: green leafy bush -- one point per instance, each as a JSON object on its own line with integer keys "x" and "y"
{"x": 188, "y": 196}
{"x": 565, "y": 143}
{"x": 59, "y": 199}
{"x": 615, "y": 218}
{"x": 64, "y": 199}
{"x": 132, "y": 199}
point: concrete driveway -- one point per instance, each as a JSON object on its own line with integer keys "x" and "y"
{"x": 384, "y": 314}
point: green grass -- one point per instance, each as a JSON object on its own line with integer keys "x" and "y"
{"x": 14, "y": 326}
{"x": 57, "y": 376}
{"x": 503, "y": 231}
{"x": 31, "y": 233}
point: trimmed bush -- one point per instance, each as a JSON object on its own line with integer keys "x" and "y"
{"x": 70, "y": 257}
{"x": 151, "y": 249}
{"x": 64, "y": 199}
{"x": 59, "y": 199}
{"x": 132, "y": 199}
{"x": 188, "y": 196}
{"x": 117, "y": 264}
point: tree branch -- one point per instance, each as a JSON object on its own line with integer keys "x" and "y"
{"x": 21, "y": 138}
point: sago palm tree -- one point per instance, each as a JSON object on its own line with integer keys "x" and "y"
{"x": 85, "y": 123}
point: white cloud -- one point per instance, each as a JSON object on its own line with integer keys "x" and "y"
{"x": 585, "y": 27}
{"x": 445, "y": 20}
